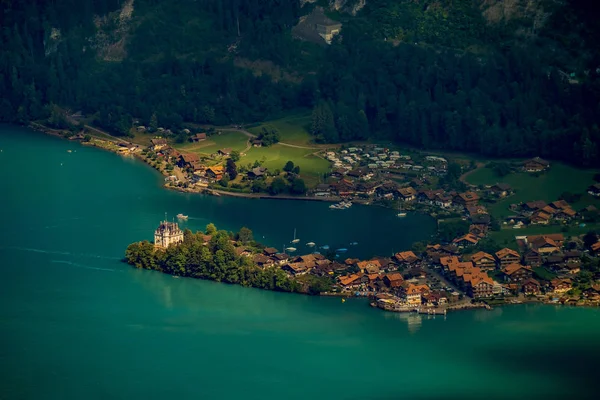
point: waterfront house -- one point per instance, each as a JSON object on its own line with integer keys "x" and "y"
{"x": 262, "y": 260}
{"x": 531, "y": 287}
{"x": 198, "y": 137}
{"x": 280, "y": 258}
{"x": 479, "y": 285}
{"x": 535, "y": 165}
{"x": 415, "y": 293}
{"x": 483, "y": 260}
{"x": 369, "y": 267}
{"x": 560, "y": 286}
{"x": 295, "y": 269}
{"x": 507, "y": 256}
{"x": 215, "y": 172}
{"x": 407, "y": 194}
{"x": 517, "y": 273}
{"x": 466, "y": 199}
{"x": 167, "y": 234}
{"x": 350, "y": 281}
{"x": 158, "y": 144}
{"x": 242, "y": 252}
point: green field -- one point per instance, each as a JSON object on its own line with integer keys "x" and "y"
{"x": 506, "y": 237}
{"x": 312, "y": 167}
{"x": 548, "y": 186}
{"x": 291, "y": 128}
{"x": 234, "y": 140}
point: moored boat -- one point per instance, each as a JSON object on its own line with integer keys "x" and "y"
{"x": 342, "y": 250}
{"x": 290, "y": 249}
{"x": 182, "y": 217}
{"x": 403, "y": 214}
{"x": 310, "y": 244}
{"x": 326, "y": 247}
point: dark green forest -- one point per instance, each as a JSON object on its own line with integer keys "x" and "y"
{"x": 401, "y": 70}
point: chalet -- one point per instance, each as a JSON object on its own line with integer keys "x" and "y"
{"x": 447, "y": 261}
{"x": 561, "y": 285}
{"x": 466, "y": 240}
{"x": 540, "y": 218}
{"x": 565, "y": 214}
{"x": 466, "y": 199}
{"x": 366, "y": 188}
{"x": 558, "y": 238}
{"x": 507, "y": 256}
{"x": 357, "y": 173}
{"x": 350, "y": 281}
{"x": 270, "y": 251}
{"x": 338, "y": 173}
{"x": 532, "y": 257}
{"x": 370, "y": 267}
{"x": 443, "y": 201}
{"x": 258, "y": 172}
{"x": 415, "y": 293}
{"x": 535, "y": 165}
{"x": 559, "y": 205}
{"x": 595, "y": 248}
{"x": 532, "y": 206}
{"x": 257, "y": 143}
{"x": 295, "y": 269}
{"x": 407, "y": 194}
{"x": 501, "y": 189}
{"x": 517, "y": 272}
{"x": 224, "y": 152}
{"x": 406, "y": 257}
{"x": 187, "y": 160}
{"x": 262, "y": 260}
{"x": 242, "y": 252}
{"x": 480, "y": 286}
{"x": 280, "y": 258}
{"x": 592, "y": 294}
{"x": 393, "y": 280}
{"x": 572, "y": 268}
{"x": 215, "y": 172}
{"x": 544, "y": 245}
{"x": 387, "y": 190}
{"x": 573, "y": 256}
{"x": 475, "y": 209}
{"x": 198, "y": 137}
{"x": 594, "y": 190}
{"x": 531, "y": 287}
{"x": 479, "y": 230}
{"x": 158, "y": 144}
{"x": 483, "y": 261}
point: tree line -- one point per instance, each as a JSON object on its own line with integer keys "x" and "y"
{"x": 180, "y": 66}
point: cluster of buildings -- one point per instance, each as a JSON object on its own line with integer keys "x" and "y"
{"x": 541, "y": 213}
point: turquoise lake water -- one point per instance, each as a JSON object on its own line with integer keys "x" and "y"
{"x": 76, "y": 323}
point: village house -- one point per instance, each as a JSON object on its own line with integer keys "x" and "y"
{"x": 543, "y": 244}
{"x": 517, "y": 273}
{"x": 215, "y": 172}
{"x": 242, "y": 252}
{"x": 483, "y": 261}
{"x": 406, "y": 257}
{"x": 535, "y": 165}
{"x": 595, "y": 248}
{"x": 507, "y": 257}
{"x": 501, "y": 189}
{"x": 466, "y": 240}
{"x": 466, "y": 199}
{"x": 224, "y": 152}
{"x": 369, "y": 267}
{"x": 280, "y": 258}
{"x": 350, "y": 281}
{"x": 262, "y": 260}
{"x": 393, "y": 280}
{"x": 158, "y": 144}
{"x": 188, "y": 160}
{"x": 414, "y": 294}
{"x": 295, "y": 269}
{"x": 198, "y": 137}
{"x": 479, "y": 286}
{"x": 533, "y": 206}
{"x": 540, "y": 218}
{"x": 258, "y": 172}
{"x": 594, "y": 190}
{"x": 257, "y": 143}
{"x": 531, "y": 287}
{"x": 407, "y": 194}
{"x": 532, "y": 257}
{"x": 270, "y": 251}
{"x": 565, "y": 214}
{"x": 560, "y": 286}
{"x": 479, "y": 230}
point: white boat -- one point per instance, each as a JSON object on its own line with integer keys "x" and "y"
{"x": 290, "y": 249}
{"x": 182, "y": 217}
{"x": 295, "y": 240}
{"x": 402, "y": 214}
{"x": 310, "y": 244}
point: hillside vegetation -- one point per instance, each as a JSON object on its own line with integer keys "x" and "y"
{"x": 454, "y": 74}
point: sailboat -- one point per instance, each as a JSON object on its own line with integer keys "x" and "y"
{"x": 295, "y": 240}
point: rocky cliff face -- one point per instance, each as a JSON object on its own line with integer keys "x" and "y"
{"x": 349, "y": 6}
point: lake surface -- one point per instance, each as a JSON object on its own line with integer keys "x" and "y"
{"x": 77, "y": 323}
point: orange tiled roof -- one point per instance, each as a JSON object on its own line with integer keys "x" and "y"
{"x": 505, "y": 252}
{"x": 512, "y": 268}
{"x": 481, "y": 255}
